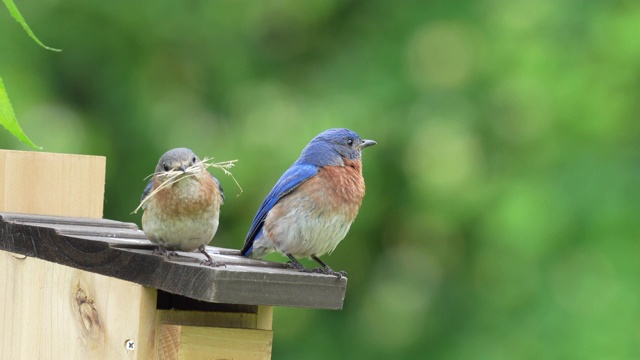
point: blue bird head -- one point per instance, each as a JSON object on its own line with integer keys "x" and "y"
{"x": 333, "y": 146}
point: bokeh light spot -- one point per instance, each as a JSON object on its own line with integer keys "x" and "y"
{"x": 395, "y": 309}
{"x": 56, "y": 123}
{"x": 441, "y": 54}
{"x": 583, "y": 282}
{"x": 443, "y": 156}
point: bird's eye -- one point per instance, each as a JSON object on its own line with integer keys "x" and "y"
{"x": 349, "y": 141}
{"x": 193, "y": 160}
{"x": 165, "y": 166}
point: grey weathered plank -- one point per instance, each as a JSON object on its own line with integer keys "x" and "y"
{"x": 63, "y": 220}
{"x": 122, "y": 251}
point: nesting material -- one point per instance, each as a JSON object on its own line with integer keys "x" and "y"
{"x": 173, "y": 176}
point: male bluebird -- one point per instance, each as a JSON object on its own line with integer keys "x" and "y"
{"x": 184, "y": 215}
{"x": 310, "y": 209}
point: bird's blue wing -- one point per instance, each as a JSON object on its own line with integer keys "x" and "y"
{"x": 219, "y": 187}
{"x": 291, "y": 179}
{"x": 147, "y": 190}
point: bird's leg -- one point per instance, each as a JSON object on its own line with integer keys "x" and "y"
{"x": 210, "y": 261}
{"x": 160, "y": 250}
{"x": 296, "y": 264}
{"x": 327, "y": 270}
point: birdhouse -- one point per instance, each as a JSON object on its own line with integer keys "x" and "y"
{"x": 77, "y": 286}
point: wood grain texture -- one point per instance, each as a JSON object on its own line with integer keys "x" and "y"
{"x": 51, "y": 311}
{"x": 189, "y": 342}
{"x": 208, "y": 319}
{"x": 53, "y": 184}
{"x": 121, "y": 251}
{"x": 265, "y": 318}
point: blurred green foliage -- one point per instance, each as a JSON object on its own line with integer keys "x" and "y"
{"x": 7, "y": 116}
{"x": 502, "y": 203}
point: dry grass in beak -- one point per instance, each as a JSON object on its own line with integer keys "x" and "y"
{"x": 173, "y": 176}
{"x": 224, "y": 166}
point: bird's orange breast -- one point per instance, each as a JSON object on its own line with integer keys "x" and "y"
{"x": 189, "y": 196}
{"x": 339, "y": 187}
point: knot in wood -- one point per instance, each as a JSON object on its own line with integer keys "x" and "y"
{"x": 88, "y": 315}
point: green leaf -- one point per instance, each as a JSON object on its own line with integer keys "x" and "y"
{"x": 8, "y": 118}
{"x": 16, "y": 15}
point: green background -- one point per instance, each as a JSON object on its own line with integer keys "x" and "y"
{"x": 500, "y": 220}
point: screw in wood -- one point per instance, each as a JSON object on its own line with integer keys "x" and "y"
{"x": 130, "y": 345}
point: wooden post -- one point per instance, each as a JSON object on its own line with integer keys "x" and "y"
{"x": 75, "y": 286}
{"x": 51, "y": 184}
{"x": 222, "y": 336}
{"x": 52, "y": 311}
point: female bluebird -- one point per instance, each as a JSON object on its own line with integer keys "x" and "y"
{"x": 184, "y": 215}
{"x": 310, "y": 209}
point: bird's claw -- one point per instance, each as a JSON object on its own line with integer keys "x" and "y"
{"x": 213, "y": 263}
{"x": 297, "y": 266}
{"x": 209, "y": 261}
{"x": 328, "y": 271}
{"x": 159, "y": 251}
{"x": 164, "y": 252}
{"x": 318, "y": 270}
{"x": 325, "y": 269}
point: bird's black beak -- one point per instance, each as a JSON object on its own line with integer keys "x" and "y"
{"x": 182, "y": 168}
{"x": 366, "y": 143}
